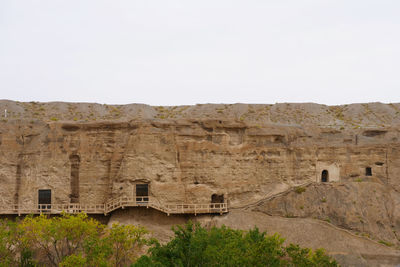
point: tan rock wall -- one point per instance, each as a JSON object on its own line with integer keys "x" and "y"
{"x": 185, "y": 161}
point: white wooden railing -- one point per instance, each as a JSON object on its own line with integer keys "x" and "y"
{"x": 114, "y": 204}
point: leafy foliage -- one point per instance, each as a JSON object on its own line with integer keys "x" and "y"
{"x": 59, "y": 237}
{"x": 68, "y": 240}
{"x": 78, "y": 241}
{"x": 7, "y": 243}
{"x": 194, "y": 245}
{"x": 124, "y": 243}
{"x": 14, "y": 248}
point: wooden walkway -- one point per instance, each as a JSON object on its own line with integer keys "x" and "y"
{"x": 114, "y": 204}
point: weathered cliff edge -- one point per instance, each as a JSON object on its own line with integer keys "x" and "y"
{"x": 251, "y": 156}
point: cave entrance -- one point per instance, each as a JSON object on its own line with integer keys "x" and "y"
{"x": 368, "y": 171}
{"x": 215, "y": 198}
{"x": 142, "y": 193}
{"x": 217, "y": 202}
{"x": 324, "y": 176}
{"x": 44, "y": 199}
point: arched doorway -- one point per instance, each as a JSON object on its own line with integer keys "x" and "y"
{"x": 324, "y": 176}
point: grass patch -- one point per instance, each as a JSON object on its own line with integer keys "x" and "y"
{"x": 386, "y": 243}
{"x": 300, "y": 190}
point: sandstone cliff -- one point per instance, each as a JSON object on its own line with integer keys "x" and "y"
{"x": 333, "y": 170}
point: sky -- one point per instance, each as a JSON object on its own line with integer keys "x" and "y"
{"x": 177, "y": 52}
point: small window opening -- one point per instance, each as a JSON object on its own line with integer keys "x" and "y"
{"x": 324, "y": 176}
{"x": 368, "y": 171}
{"x": 44, "y": 199}
{"x": 142, "y": 192}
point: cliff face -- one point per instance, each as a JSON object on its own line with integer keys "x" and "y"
{"x": 240, "y": 154}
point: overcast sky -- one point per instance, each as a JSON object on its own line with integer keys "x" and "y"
{"x": 170, "y": 52}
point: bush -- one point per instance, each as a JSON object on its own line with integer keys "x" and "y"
{"x": 300, "y": 190}
{"x": 386, "y": 243}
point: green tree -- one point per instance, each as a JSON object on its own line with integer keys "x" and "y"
{"x": 76, "y": 240}
{"x": 14, "y": 251}
{"x": 7, "y": 243}
{"x": 75, "y": 261}
{"x": 59, "y": 237}
{"x": 125, "y": 243}
{"x": 194, "y": 245}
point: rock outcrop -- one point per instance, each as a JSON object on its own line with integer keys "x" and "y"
{"x": 334, "y": 167}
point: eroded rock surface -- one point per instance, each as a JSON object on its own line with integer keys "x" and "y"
{"x": 366, "y": 208}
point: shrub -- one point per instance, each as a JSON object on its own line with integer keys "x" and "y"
{"x": 327, "y": 220}
{"x": 300, "y": 190}
{"x": 386, "y": 243}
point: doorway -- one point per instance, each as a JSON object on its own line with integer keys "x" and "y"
{"x": 217, "y": 198}
{"x": 142, "y": 193}
{"x": 44, "y": 200}
{"x": 217, "y": 202}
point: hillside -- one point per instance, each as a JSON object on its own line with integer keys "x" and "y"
{"x": 323, "y": 176}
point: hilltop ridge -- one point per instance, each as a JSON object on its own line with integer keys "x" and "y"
{"x": 352, "y": 115}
